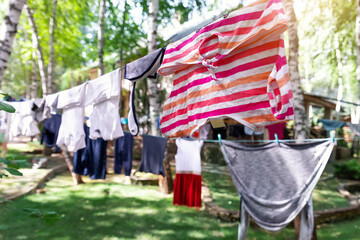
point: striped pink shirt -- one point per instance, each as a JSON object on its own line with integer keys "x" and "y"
{"x": 233, "y": 68}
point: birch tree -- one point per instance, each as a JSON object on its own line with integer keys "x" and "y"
{"x": 51, "y": 65}
{"x": 8, "y": 30}
{"x": 357, "y": 37}
{"x": 40, "y": 55}
{"x": 153, "y": 84}
{"x": 101, "y": 21}
{"x": 34, "y": 81}
{"x": 300, "y": 129}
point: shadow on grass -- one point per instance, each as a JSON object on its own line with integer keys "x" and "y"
{"x": 114, "y": 211}
{"x": 109, "y": 211}
{"x": 222, "y": 189}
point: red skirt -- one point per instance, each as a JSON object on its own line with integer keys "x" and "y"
{"x": 187, "y": 190}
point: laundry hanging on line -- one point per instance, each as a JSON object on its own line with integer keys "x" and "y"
{"x": 91, "y": 160}
{"x": 104, "y": 94}
{"x": 50, "y": 131}
{"x": 276, "y": 129}
{"x": 187, "y": 183}
{"x": 153, "y": 155}
{"x": 124, "y": 154}
{"x": 233, "y": 68}
{"x": 330, "y": 125}
{"x": 275, "y": 181}
{"x": 71, "y": 132}
{"x": 145, "y": 67}
{"x": 22, "y": 121}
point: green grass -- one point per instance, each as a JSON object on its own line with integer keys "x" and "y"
{"x": 108, "y": 211}
{"x": 222, "y": 190}
{"x": 326, "y": 196}
{"x": 114, "y": 211}
{"x": 24, "y": 152}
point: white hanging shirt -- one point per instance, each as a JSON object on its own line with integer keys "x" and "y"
{"x": 104, "y": 94}
{"x": 22, "y": 121}
{"x": 71, "y": 131}
{"x": 188, "y": 158}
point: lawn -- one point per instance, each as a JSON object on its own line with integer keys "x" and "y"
{"x": 110, "y": 210}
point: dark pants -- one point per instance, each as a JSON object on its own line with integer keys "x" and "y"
{"x": 91, "y": 160}
{"x": 124, "y": 153}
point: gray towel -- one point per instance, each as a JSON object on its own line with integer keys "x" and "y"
{"x": 275, "y": 181}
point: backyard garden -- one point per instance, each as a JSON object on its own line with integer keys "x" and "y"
{"x": 112, "y": 209}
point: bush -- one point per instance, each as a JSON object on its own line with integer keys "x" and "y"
{"x": 349, "y": 170}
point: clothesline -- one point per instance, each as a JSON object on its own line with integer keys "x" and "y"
{"x": 262, "y": 141}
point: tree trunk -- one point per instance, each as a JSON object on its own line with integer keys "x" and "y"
{"x": 153, "y": 89}
{"x": 34, "y": 82}
{"x": 122, "y": 30}
{"x": 300, "y": 129}
{"x": 101, "y": 69}
{"x": 40, "y": 55}
{"x": 27, "y": 74}
{"x": 340, "y": 77}
{"x": 166, "y": 184}
{"x": 357, "y": 36}
{"x": 8, "y": 30}
{"x": 52, "y": 24}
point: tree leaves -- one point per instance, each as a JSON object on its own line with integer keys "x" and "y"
{"x": 7, "y": 107}
{"x": 13, "y": 171}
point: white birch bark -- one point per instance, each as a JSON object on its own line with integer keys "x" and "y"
{"x": 153, "y": 84}
{"x": 300, "y": 129}
{"x": 34, "y": 81}
{"x": 52, "y": 25}
{"x": 340, "y": 77}
{"x": 101, "y": 69}
{"x": 8, "y": 30}
{"x": 357, "y": 36}
{"x": 40, "y": 55}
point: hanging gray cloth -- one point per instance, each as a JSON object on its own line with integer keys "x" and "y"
{"x": 275, "y": 182}
{"x": 330, "y": 125}
{"x": 145, "y": 67}
{"x": 355, "y": 128}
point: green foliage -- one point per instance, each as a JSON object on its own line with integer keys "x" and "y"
{"x": 327, "y": 47}
{"x": 11, "y": 167}
{"x": 349, "y": 170}
{"x": 6, "y": 107}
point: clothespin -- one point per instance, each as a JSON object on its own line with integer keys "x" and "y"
{"x": 332, "y": 136}
{"x": 276, "y": 138}
{"x": 219, "y": 137}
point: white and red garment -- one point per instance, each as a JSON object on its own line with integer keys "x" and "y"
{"x": 187, "y": 185}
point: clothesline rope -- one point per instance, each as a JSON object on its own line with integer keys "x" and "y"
{"x": 265, "y": 141}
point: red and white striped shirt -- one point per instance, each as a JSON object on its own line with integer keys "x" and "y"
{"x": 233, "y": 68}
